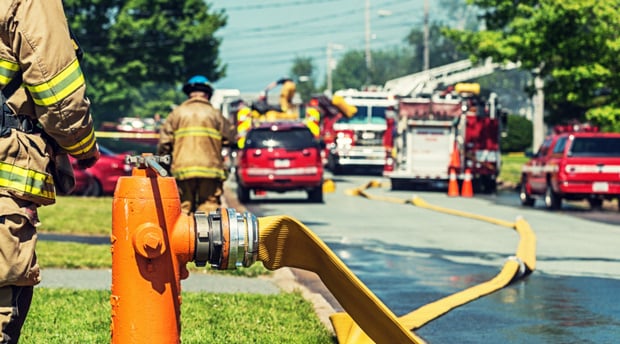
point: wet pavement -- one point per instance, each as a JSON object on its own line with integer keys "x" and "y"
{"x": 409, "y": 257}
{"x": 540, "y": 309}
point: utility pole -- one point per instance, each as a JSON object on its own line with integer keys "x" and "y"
{"x": 367, "y": 36}
{"x": 330, "y": 64}
{"x": 538, "y": 122}
{"x": 426, "y": 34}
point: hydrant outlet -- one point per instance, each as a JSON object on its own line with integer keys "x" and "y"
{"x": 148, "y": 240}
{"x": 226, "y": 239}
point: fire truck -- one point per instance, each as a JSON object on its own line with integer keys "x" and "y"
{"x": 445, "y": 125}
{"x": 360, "y": 140}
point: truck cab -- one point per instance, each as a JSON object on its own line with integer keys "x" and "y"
{"x": 359, "y": 139}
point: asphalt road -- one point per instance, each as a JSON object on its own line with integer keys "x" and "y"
{"x": 410, "y": 256}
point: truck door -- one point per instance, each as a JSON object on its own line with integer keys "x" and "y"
{"x": 537, "y": 178}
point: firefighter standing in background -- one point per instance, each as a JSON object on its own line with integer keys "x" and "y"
{"x": 40, "y": 122}
{"x": 286, "y": 93}
{"x": 194, "y": 134}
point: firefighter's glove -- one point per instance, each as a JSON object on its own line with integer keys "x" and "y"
{"x": 88, "y": 162}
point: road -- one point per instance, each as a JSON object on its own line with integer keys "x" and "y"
{"x": 410, "y": 256}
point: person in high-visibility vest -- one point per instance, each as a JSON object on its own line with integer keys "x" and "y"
{"x": 312, "y": 121}
{"x": 45, "y": 116}
{"x": 244, "y": 124}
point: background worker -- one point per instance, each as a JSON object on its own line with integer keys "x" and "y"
{"x": 40, "y": 122}
{"x": 286, "y": 93}
{"x": 194, "y": 134}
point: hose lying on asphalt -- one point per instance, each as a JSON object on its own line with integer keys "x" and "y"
{"x": 285, "y": 242}
{"x": 348, "y": 329}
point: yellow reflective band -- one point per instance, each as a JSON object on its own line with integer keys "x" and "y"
{"x": 59, "y": 87}
{"x": 7, "y": 71}
{"x": 83, "y": 146}
{"x": 27, "y": 181}
{"x": 198, "y": 131}
{"x": 199, "y": 172}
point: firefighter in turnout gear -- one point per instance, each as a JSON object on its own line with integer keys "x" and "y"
{"x": 194, "y": 134}
{"x": 45, "y": 115}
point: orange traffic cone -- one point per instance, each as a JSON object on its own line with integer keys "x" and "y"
{"x": 455, "y": 159}
{"x": 453, "y": 185}
{"x": 467, "y": 190}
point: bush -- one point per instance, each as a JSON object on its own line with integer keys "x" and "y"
{"x": 519, "y": 133}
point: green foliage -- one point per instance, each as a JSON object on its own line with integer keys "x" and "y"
{"x": 606, "y": 117}
{"x": 303, "y": 72}
{"x": 136, "y": 51}
{"x": 572, "y": 44}
{"x": 60, "y": 316}
{"x": 519, "y": 133}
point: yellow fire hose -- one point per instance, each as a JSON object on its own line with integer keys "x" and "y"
{"x": 286, "y": 242}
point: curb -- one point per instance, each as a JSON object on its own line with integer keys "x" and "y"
{"x": 288, "y": 279}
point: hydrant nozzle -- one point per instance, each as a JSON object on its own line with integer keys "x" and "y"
{"x": 226, "y": 239}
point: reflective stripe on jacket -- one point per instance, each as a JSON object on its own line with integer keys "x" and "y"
{"x": 45, "y": 55}
{"x": 194, "y": 134}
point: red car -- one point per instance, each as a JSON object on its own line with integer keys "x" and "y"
{"x": 100, "y": 179}
{"x": 280, "y": 156}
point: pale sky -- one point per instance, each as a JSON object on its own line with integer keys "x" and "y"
{"x": 263, "y": 37}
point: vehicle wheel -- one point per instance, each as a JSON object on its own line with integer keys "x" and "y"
{"x": 595, "y": 203}
{"x": 243, "y": 194}
{"x": 526, "y": 199}
{"x": 94, "y": 189}
{"x": 316, "y": 195}
{"x": 552, "y": 200}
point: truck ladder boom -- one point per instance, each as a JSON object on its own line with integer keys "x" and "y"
{"x": 426, "y": 81}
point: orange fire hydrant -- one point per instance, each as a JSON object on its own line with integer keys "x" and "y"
{"x": 152, "y": 241}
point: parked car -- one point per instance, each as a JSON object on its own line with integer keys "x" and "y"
{"x": 280, "y": 156}
{"x": 100, "y": 179}
{"x": 573, "y": 166}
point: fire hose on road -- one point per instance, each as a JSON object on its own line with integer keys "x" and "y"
{"x": 152, "y": 241}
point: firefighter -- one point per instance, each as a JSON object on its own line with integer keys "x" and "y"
{"x": 286, "y": 93}
{"x": 194, "y": 134}
{"x": 40, "y": 123}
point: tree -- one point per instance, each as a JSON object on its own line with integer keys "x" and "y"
{"x": 303, "y": 73}
{"x": 518, "y": 134}
{"x": 571, "y": 44}
{"x": 139, "y": 46}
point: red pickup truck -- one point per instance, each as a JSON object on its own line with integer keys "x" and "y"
{"x": 573, "y": 166}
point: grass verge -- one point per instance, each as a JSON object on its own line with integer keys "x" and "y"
{"x": 60, "y": 316}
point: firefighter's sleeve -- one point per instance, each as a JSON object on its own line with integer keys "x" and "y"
{"x": 166, "y": 137}
{"x": 52, "y": 76}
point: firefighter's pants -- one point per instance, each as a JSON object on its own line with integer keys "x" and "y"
{"x": 19, "y": 270}
{"x": 200, "y": 194}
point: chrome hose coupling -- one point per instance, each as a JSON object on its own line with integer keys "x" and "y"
{"x": 225, "y": 239}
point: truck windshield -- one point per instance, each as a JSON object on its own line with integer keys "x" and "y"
{"x": 377, "y": 115}
{"x": 595, "y": 146}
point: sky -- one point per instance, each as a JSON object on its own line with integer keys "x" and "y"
{"x": 263, "y": 37}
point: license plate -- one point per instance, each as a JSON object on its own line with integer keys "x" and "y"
{"x": 282, "y": 163}
{"x": 368, "y": 135}
{"x": 600, "y": 187}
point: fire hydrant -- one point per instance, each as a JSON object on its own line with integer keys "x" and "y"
{"x": 152, "y": 241}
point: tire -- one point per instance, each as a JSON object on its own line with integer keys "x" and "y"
{"x": 94, "y": 189}
{"x": 316, "y": 195}
{"x": 595, "y": 203}
{"x": 243, "y": 194}
{"x": 552, "y": 200}
{"x": 526, "y": 199}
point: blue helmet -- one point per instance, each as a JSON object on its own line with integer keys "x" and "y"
{"x": 198, "y": 83}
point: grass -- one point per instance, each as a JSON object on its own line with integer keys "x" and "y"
{"x": 510, "y": 171}
{"x": 60, "y": 316}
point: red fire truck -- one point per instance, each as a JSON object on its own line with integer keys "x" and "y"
{"x": 455, "y": 128}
